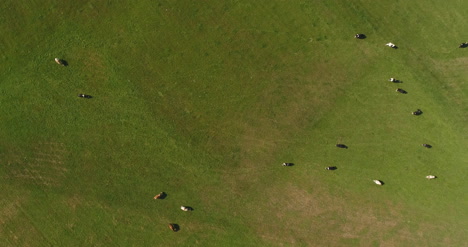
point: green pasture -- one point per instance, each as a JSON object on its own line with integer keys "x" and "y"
{"x": 205, "y": 99}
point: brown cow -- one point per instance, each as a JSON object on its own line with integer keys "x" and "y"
{"x": 161, "y": 195}
{"x": 174, "y": 227}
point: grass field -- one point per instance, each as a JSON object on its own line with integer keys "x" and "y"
{"x": 205, "y": 99}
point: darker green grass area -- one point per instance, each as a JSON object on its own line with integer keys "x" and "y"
{"x": 205, "y": 100}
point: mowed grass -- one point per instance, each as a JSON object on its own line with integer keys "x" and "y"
{"x": 205, "y": 100}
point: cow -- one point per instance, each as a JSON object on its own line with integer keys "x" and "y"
{"x": 161, "y": 195}
{"x": 378, "y": 182}
{"x": 360, "y": 36}
{"x": 399, "y": 90}
{"x": 174, "y": 227}
{"x": 185, "y": 208}
{"x": 431, "y": 177}
{"x": 61, "y": 62}
{"x": 390, "y": 44}
{"x": 463, "y": 45}
{"x": 426, "y": 145}
{"x": 288, "y": 164}
{"x": 341, "y": 146}
{"x": 417, "y": 112}
{"x": 394, "y": 80}
{"x": 331, "y": 168}
{"x": 84, "y": 96}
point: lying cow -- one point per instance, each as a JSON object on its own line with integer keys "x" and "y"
{"x": 288, "y": 164}
{"x": 463, "y": 45}
{"x": 431, "y": 177}
{"x": 331, "y": 168}
{"x": 394, "y": 80}
{"x": 426, "y": 145}
{"x": 391, "y": 45}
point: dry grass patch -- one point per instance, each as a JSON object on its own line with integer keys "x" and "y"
{"x": 324, "y": 219}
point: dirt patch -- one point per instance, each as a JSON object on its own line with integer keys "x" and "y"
{"x": 42, "y": 165}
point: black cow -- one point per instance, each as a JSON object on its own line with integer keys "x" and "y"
{"x": 426, "y": 145}
{"x": 331, "y": 168}
{"x": 288, "y": 164}
{"x": 341, "y": 146}
{"x": 399, "y": 90}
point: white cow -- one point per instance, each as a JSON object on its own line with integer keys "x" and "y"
{"x": 184, "y": 208}
{"x": 378, "y": 182}
{"x": 390, "y": 44}
{"x": 431, "y": 176}
{"x": 59, "y": 61}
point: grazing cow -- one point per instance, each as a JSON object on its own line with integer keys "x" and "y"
{"x": 161, "y": 195}
{"x": 174, "y": 227}
{"x": 331, "y": 168}
{"x": 394, "y": 80}
{"x": 341, "y": 146}
{"x": 417, "y": 112}
{"x": 61, "y": 61}
{"x": 288, "y": 164}
{"x": 463, "y": 45}
{"x": 391, "y": 45}
{"x": 184, "y": 208}
{"x": 360, "y": 36}
{"x": 399, "y": 90}
{"x": 431, "y": 177}
{"x": 426, "y": 145}
{"x": 85, "y": 96}
{"x": 378, "y": 182}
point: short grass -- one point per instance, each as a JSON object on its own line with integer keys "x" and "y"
{"x": 204, "y": 100}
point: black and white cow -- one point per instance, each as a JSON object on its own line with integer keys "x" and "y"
{"x": 360, "y": 36}
{"x": 85, "y": 96}
{"x": 417, "y": 112}
{"x": 399, "y": 90}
